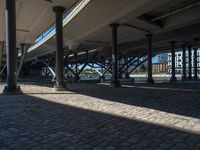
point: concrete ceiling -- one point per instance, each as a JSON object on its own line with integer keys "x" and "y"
{"x": 167, "y": 20}
{"x": 33, "y": 17}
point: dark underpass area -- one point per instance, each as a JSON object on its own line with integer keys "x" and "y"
{"x": 91, "y": 116}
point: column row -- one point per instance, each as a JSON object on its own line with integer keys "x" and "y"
{"x": 184, "y": 67}
{"x": 10, "y": 23}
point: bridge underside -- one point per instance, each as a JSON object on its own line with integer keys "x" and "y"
{"x": 167, "y": 21}
{"x": 112, "y": 37}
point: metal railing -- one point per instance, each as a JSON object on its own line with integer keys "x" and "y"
{"x": 67, "y": 17}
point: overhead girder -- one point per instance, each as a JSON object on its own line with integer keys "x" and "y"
{"x": 158, "y": 40}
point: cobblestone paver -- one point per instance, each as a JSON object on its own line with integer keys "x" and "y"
{"x": 97, "y": 117}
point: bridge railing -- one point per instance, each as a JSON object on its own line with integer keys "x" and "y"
{"x": 68, "y": 16}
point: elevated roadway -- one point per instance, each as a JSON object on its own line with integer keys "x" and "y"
{"x": 32, "y": 17}
{"x": 87, "y": 27}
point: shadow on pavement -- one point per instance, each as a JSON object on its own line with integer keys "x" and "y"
{"x": 28, "y": 122}
{"x": 180, "y": 102}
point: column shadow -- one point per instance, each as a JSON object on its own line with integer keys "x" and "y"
{"x": 180, "y": 99}
{"x": 28, "y": 122}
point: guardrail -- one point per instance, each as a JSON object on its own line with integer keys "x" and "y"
{"x": 68, "y": 16}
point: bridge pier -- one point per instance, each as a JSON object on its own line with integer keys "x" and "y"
{"x": 77, "y": 77}
{"x": 173, "y": 77}
{"x": 184, "y": 78}
{"x": 1, "y": 58}
{"x": 10, "y": 19}
{"x": 195, "y": 64}
{"x": 59, "y": 86}
{"x": 114, "y": 81}
{"x": 149, "y": 55}
{"x": 190, "y": 62}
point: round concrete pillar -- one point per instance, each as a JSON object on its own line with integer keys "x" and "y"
{"x": 173, "y": 67}
{"x": 11, "y": 51}
{"x": 184, "y": 78}
{"x": 59, "y": 86}
{"x": 114, "y": 81}
{"x": 149, "y": 55}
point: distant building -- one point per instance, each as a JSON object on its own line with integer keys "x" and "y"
{"x": 160, "y": 67}
{"x": 179, "y": 61}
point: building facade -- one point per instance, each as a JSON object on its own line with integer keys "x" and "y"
{"x": 179, "y": 61}
{"x": 160, "y": 67}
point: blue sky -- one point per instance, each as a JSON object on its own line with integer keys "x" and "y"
{"x": 155, "y": 59}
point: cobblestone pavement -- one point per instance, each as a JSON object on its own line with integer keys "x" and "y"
{"x": 97, "y": 117}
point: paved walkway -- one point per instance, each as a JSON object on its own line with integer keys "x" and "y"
{"x": 97, "y": 117}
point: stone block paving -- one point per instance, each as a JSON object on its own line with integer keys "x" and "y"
{"x": 98, "y": 117}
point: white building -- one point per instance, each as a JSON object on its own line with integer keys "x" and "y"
{"x": 179, "y": 61}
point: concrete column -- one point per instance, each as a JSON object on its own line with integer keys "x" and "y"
{"x": 10, "y": 22}
{"x": 1, "y": 53}
{"x": 1, "y": 58}
{"x": 60, "y": 50}
{"x": 184, "y": 78}
{"x": 173, "y": 77}
{"x": 114, "y": 81}
{"x": 77, "y": 78}
{"x": 195, "y": 64}
{"x": 190, "y": 62}
{"x": 102, "y": 77}
{"x": 149, "y": 55}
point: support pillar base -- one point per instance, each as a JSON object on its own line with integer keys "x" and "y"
{"x": 195, "y": 78}
{"x": 190, "y": 78}
{"x": 115, "y": 84}
{"x": 184, "y": 79}
{"x": 12, "y": 91}
{"x": 77, "y": 78}
{"x": 59, "y": 88}
{"x": 127, "y": 77}
{"x": 120, "y": 76}
{"x": 150, "y": 81}
{"x": 173, "y": 79}
{"x": 101, "y": 79}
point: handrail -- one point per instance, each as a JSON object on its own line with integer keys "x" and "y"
{"x": 69, "y": 15}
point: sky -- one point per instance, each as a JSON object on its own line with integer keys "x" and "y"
{"x": 155, "y": 59}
